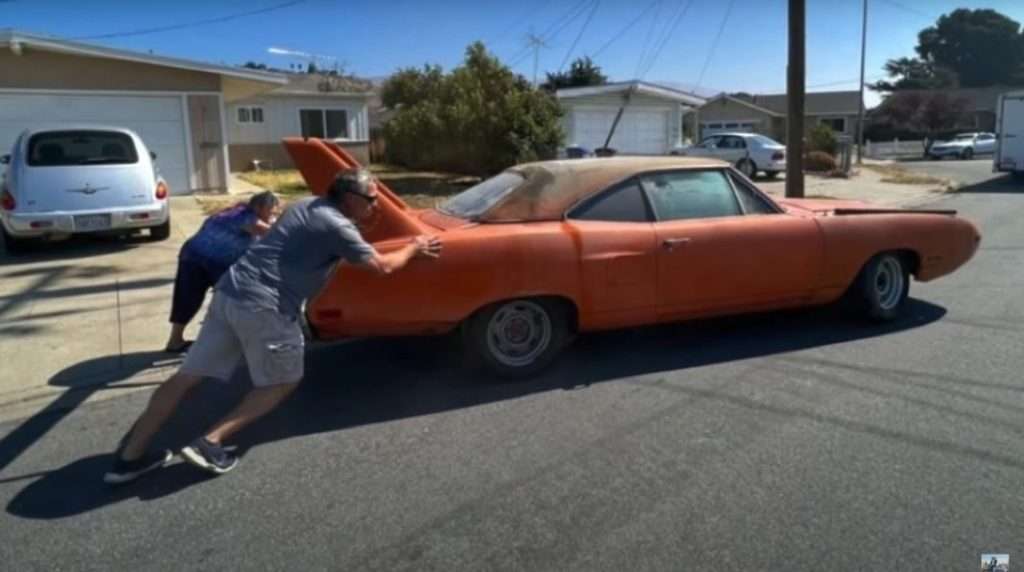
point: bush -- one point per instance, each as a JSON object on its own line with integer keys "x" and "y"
{"x": 479, "y": 119}
{"x": 822, "y": 138}
{"x": 819, "y": 162}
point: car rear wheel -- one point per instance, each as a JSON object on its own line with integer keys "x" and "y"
{"x": 881, "y": 288}
{"x": 747, "y": 167}
{"x": 13, "y": 245}
{"x": 518, "y": 338}
{"x": 162, "y": 232}
{"x": 968, "y": 153}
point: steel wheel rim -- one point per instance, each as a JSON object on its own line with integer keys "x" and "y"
{"x": 518, "y": 333}
{"x": 889, "y": 283}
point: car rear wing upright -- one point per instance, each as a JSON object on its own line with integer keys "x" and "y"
{"x": 319, "y": 161}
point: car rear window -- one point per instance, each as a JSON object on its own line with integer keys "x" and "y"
{"x": 64, "y": 148}
{"x": 476, "y": 200}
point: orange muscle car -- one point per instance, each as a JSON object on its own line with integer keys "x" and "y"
{"x": 544, "y": 250}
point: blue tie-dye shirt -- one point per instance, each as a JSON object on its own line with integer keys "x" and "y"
{"x": 221, "y": 240}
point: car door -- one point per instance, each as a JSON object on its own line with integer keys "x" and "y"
{"x": 724, "y": 247}
{"x": 985, "y": 143}
{"x": 615, "y": 235}
{"x": 707, "y": 148}
{"x": 732, "y": 148}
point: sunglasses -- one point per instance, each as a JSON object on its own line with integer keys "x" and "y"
{"x": 371, "y": 199}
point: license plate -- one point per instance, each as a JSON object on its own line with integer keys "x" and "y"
{"x": 92, "y": 222}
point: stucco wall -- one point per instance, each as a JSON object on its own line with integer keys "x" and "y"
{"x": 35, "y": 69}
{"x": 281, "y": 118}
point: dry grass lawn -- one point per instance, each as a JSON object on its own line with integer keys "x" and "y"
{"x": 901, "y": 176}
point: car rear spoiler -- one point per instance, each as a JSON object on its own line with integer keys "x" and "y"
{"x": 855, "y": 211}
{"x": 319, "y": 161}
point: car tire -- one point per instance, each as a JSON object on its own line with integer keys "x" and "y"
{"x": 541, "y": 332}
{"x": 13, "y": 246}
{"x": 771, "y": 174}
{"x": 747, "y": 167}
{"x": 161, "y": 232}
{"x": 967, "y": 154}
{"x": 881, "y": 288}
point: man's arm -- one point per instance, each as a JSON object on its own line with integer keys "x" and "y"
{"x": 421, "y": 246}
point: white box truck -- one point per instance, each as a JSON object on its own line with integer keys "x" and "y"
{"x": 1009, "y": 155}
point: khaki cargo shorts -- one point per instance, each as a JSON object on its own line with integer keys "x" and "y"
{"x": 272, "y": 344}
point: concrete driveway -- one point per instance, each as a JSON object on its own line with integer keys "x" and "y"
{"x": 86, "y": 313}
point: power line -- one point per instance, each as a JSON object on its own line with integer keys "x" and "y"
{"x": 530, "y": 11}
{"x": 624, "y": 29}
{"x": 586, "y": 23}
{"x": 647, "y": 38}
{"x": 665, "y": 38}
{"x": 659, "y": 36}
{"x": 714, "y": 45}
{"x": 553, "y": 30}
{"x": 908, "y": 9}
{"x": 171, "y": 27}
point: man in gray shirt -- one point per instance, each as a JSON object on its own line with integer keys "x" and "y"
{"x": 255, "y": 315}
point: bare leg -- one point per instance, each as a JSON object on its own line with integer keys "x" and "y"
{"x": 177, "y": 338}
{"x": 256, "y": 404}
{"x": 161, "y": 405}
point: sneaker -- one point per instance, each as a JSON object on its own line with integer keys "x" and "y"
{"x": 126, "y": 471}
{"x": 209, "y": 456}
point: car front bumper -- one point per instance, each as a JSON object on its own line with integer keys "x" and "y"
{"x": 28, "y": 225}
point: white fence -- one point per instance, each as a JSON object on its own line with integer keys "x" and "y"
{"x": 893, "y": 149}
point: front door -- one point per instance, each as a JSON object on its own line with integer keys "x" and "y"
{"x": 207, "y": 142}
{"x": 723, "y": 248}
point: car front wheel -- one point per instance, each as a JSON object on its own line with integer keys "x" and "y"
{"x": 518, "y": 338}
{"x": 881, "y": 288}
{"x": 968, "y": 153}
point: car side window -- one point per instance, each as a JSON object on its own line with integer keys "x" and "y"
{"x": 733, "y": 143}
{"x": 752, "y": 202}
{"x": 711, "y": 142}
{"x": 623, "y": 203}
{"x": 681, "y": 195}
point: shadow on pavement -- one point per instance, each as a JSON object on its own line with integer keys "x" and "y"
{"x": 77, "y": 246}
{"x": 375, "y": 381}
{"x": 998, "y": 184}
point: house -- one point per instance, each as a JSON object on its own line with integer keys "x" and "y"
{"x": 177, "y": 106}
{"x": 650, "y": 124}
{"x": 309, "y": 105}
{"x": 766, "y": 114}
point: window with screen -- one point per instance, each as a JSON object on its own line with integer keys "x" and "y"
{"x": 681, "y": 195}
{"x": 752, "y": 202}
{"x": 837, "y": 124}
{"x": 324, "y": 123}
{"x": 625, "y": 203}
{"x": 243, "y": 115}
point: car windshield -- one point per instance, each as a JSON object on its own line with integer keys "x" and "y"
{"x": 765, "y": 141}
{"x": 65, "y": 148}
{"x": 478, "y": 199}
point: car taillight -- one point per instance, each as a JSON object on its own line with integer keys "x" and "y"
{"x": 161, "y": 190}
{"x": 7, "y": 201}
{"x": 778, "y": 156}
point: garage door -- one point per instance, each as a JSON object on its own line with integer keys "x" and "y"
{"x": 709, "y": 128}
{"x": 640, "y": 131}
{"x": 158, "y": 120}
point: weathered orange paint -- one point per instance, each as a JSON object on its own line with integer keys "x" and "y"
{"x": 619, "y": 274}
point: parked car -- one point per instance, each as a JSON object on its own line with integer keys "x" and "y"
{"x": 82, "y": 179}
{"x": 750, "y": 153}
{"x": 1009, "y": 155}
{"x": 963, "y": 146}
{"x": 543, "y": 251}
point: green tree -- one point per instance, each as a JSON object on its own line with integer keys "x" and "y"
{"x": 822, "y": 138}
{"x": 480, "y": 119}
{"x": 912, "y": 73}
{"x": 926, "y": 113}
{"x": 981, "y": 47}
{"x": 582, "y": 73}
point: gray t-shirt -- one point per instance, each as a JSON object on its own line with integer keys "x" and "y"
{"x": 294, "y": 260}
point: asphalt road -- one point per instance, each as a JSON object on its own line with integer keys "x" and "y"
{"x": 970, "y": 172}
{"x": 795, "y": 441}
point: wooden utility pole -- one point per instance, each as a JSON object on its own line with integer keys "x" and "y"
{"x": 795, "y": 101}
{"x": 860, "y": 116}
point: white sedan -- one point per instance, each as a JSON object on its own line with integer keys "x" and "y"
{"x": 749, "y": 152}
{"x": 81, "y": 179}
{"x": 964, "y": 146}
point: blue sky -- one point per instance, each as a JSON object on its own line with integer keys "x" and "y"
{"x": 373, "y": 38}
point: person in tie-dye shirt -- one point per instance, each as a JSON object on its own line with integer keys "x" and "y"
{"x": 223, "y": 239}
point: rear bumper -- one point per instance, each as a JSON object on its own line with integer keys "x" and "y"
{"x": 20, "y": 225}
{"x": 772, "y": 165}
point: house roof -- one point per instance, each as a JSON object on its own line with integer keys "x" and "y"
{"x": 745, "y": 103}
{"x": 325, "y": 85}
{"x": 15, "y": 40}
{"x": 637, "y": 86}
{"x": 821, "y": 102}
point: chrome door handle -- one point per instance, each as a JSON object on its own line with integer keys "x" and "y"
{"x": 672, "y": 243}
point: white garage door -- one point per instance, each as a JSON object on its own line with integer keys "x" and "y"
{"x": 640, "y": 131}
{"x": 159, "y": 121}
{"x": 709, "y": 128}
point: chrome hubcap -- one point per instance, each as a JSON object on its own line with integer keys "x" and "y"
{"x": 518, "y": 333}
{"x": 889, "y": 283}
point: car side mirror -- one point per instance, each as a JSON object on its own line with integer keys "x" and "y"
{"x": 152, "y": 155}
{"x": 5, "y": 159}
